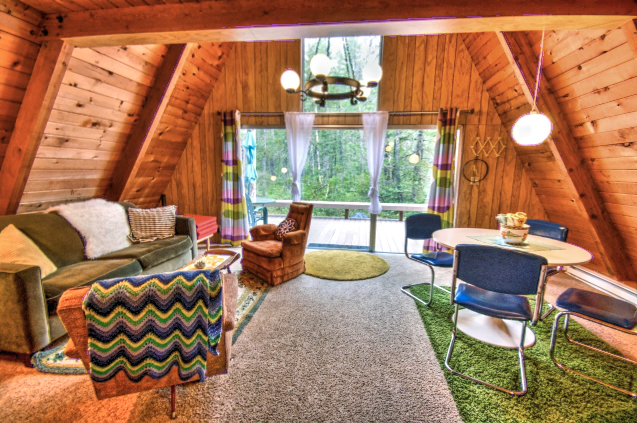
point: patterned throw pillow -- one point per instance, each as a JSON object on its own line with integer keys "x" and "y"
{"x": 288, "y": 225}
{"x": 151, "y": 224}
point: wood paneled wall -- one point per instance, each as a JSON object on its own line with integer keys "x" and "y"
{"x": 413, "y": 70}
{"x": 554, "y": 193}
{"x": 594, "y": 76}
{"x": 102, "y": 94}
{"x": 19, "y": 47}
{"x": 423, "y": 73}
{"x": 185, "y": 107}
{"x": 249, "y": 82}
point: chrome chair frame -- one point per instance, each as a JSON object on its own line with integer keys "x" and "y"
{"x": 405, "y": 288}
{"x": 566, "y": 314}
{"x": 552, "y": 271}
{"x": 520, "y": 348}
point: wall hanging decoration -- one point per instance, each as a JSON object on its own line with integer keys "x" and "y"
{"x": 475, "y": 170}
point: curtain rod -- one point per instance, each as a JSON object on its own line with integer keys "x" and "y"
{"x": 277, "y": 114}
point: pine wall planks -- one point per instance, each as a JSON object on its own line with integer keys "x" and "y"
{"x": 249, "y": 82}
{"x": 413, "y": 68}
{"x": 424, "y": 73}
{"x": 594, "y": 76}
{"x": 19, "y": 47}
{"x": 102, "y": 94}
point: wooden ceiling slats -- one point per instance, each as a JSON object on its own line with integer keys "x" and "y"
{"x": 108, "y": 77}
{"x": 13, "y": 44}
{"x": 91, "y": 85}
{"x": 597, "y": 46}
{"x": 20, "y": 28}
{"x": 623, "y": 72}
{"x": 110, "y": 65}
{"x": 16, "y": 62}
{"x": 73, "y": 106}
{"x": 21, "y": 11}
{"x": 613, "y": 150}
{"x": 31, "y": 120}
{"x": 609, "y": 109}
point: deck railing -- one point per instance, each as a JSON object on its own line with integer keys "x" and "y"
{"x": 347, "y": 206}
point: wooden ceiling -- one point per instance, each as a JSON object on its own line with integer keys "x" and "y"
{"x": 123, "y": 115}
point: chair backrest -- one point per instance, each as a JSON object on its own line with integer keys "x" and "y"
{"x": 548, "y": 229}
{"x": 302, "y": 213}
{"x": 252, "y": 218}
{"x": 421, "y": 225}
{"x": 499, "y": 269}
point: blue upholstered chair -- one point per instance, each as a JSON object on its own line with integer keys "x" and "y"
{"x": 553, "y": 231}
{"x": 602, "y": 310}
{"x": 420, "y": 227}
{"x": 260, "y": 214}
{"x": 495, "y": 282}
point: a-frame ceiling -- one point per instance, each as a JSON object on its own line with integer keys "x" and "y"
{"x": 162, "y": 95}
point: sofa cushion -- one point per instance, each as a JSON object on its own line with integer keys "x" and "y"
{"x": 51, "y": 233}
{"x": 153, "y": 253}
{"x": 152, "y": 224}
{"x": 16, "y": 247}
{"x": 85, "y": 273}
{"x": 263, "y": 248}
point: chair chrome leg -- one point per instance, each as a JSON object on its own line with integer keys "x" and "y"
{"x": 552, "y": 352}
{"x": 499, "y": 388}
{"x": 405, "y": 289}
{"x": 548, "y": 312}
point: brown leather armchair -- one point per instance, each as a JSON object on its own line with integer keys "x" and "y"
{"x": 278, "y": 261}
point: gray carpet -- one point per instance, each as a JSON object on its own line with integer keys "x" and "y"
{"x": 324, "y": 351}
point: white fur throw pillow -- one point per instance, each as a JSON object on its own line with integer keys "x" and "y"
{"x": 103, "y": 225}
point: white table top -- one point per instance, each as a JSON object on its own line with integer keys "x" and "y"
{"x": 568, "y": 255}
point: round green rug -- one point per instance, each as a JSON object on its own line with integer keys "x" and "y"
{"x": 344, "y": 265}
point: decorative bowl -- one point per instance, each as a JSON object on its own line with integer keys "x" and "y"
{"x": 200, "y": 264}
{"x": 514, "y": 234}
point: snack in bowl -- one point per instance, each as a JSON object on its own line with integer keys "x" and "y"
{"x": 513, "y": 227}
{"x": 200, "y": 264}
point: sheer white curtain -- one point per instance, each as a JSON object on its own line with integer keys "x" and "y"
{"x": 375, "y": 129}
{"x": 298, "y": 127}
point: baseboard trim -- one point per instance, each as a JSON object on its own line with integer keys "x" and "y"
{"x": 604, "y": 284}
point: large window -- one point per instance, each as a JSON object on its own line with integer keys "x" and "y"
{"x": 349, "y": 56}
{"x": 336, "y": 167}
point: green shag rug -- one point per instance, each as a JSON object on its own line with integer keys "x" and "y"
{"x": 553, "y": 395}
{"x": 344, "y": 265}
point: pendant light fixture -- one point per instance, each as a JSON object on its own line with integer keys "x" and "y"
{"x": 534, "y": 127}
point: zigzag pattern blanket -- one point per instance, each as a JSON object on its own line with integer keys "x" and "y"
{"x": 146, "y": 325}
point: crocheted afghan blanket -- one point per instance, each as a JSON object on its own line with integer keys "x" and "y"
{"x": 146, "y": 325}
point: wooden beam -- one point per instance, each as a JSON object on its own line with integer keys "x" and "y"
{"x": 144, "y": 130}
{"x": 630, "y": 31}
{"x": 235, "y": 20}
{"x": 37, "y": 104}
{"x": 568, "y": 157}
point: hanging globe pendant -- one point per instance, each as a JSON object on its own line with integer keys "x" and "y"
{"x": 531, "y": 129}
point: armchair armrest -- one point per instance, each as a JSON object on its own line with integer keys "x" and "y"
{"x": 186, "y": 226}
{"x": 25, "y": 327}
{"x": 293, "y": 247}
{"x": 263, "y": 232}
{"x": 294, "y": 238}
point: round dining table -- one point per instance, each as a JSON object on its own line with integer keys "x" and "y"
{"x": 499, "y": 332}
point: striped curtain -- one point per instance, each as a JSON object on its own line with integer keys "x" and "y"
{"x": 234, "y": 212}
{"x": 442, "y": 192}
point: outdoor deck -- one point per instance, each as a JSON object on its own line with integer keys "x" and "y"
{"x": 390, "y": 236}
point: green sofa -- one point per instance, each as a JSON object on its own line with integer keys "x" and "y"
{"x": 28, "y": 303}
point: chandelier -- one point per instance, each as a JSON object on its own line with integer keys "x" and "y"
{"x": 318, "y": 88}
{"x": 534, "y": 127}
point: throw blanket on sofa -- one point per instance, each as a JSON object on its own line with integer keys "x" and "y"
{"x": 146, "y": 325}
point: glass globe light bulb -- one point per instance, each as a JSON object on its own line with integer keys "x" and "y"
{"x": 284, "y": 170}
{"x": 531, "y": 129}
{"x": 366, "y": 91}
{"x": 273, "y": 178}
{"x": 372, "y": 72}
{"x": 414, "y": 158}
{"x": 290, "y": 80}
{"x": 320, "y": 65}
{"x": 388, "y": 148}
